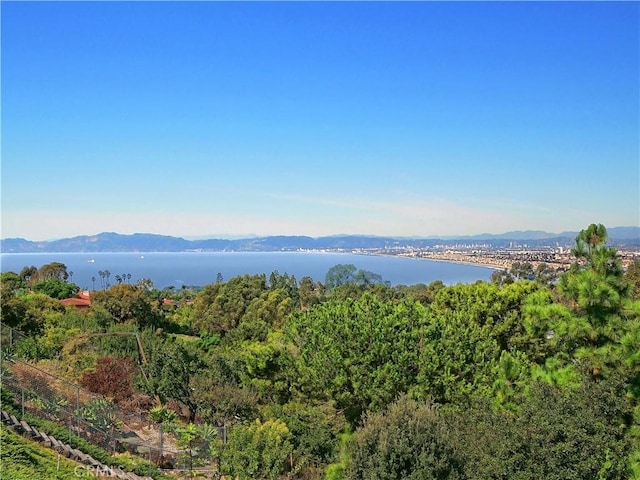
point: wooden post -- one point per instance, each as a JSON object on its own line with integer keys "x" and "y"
{"x": 78, "y": 407}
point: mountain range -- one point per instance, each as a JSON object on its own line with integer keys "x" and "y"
{"x": 146, "y": 242}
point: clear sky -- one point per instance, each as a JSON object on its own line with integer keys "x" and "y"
{"x": 386, "y": 118}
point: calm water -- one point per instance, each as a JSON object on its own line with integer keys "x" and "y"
{"x": 165, "y": 269}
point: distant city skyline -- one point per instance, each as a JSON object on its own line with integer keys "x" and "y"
{"x": 402, "y": 119}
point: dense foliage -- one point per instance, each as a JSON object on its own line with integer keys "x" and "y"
{"x": 535, "y": 374}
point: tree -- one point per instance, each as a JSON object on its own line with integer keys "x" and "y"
{"x": 220, "y": 306}
{"x": 221, "y": 401}
{"x": 145, "y": 284}
{"x": 27, "y": 273}
{"x": 51, "y": 270}
{"x": 595, "y": 282}
{"x": 502, "y": 277}
{"x": 358, "y": 353}
{"x": 257, "y": 450}
{"x": 127, "y": 303}
{"x": 597, "y": 298}
{"x": 29, "y": 313}
{"x": 197, "y": 444}
{"x": 407, "y": 441}
{"x": 555, "y": 434}
{"x": 457, "y": 360}
{"x": 340, "y": 275}
{"x": 499, "y": 309}
{"x": 56, "y": 288}
{"x": 310, "y": 293}
{"x": 315, "y": 430}
{"x": 272, "y": 307}
{"x": 10, "y": 284}
{"x": 543, "y": 274}
{"x": 169, "y": 369}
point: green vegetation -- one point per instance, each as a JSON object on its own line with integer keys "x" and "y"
{"x": 532, "y": 375}
{"x": 23, "y": 459}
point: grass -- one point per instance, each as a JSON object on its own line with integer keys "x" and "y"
{"x": 23, "y": 459}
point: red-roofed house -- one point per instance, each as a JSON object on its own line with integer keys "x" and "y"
{"x": 81, "y": 302}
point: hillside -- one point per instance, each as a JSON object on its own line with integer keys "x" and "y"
{"x": 24, "y": 459}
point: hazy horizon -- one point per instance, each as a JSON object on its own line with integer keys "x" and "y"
{"x": 402, "y": 119}
{"x": 240, "y": 237}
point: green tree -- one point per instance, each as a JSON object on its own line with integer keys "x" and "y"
{"x": 168, "y": 370}
{"x": 595, "y": 282}
{"x": 457, "y": 360}
{"x": 13, "y": 306}
{"x": 425, "y": 294}
{"x": 263, "y": 366}
{"x": 340, "y": 275}
{"x": 543, "y": 274}
{"x": 315, "y": 432}
{"x": 27, "y": 273}
{"x": 272, "y": 308}
{"x": 10, "y": 284}
{"x": 285, "y": 282}
{"x": 222, "y": 401}
{"x": 51, "y": 270}
{"x": 499, "y": 309}
{"x": 219, "y": 307}
{"x": 358, "y": 353}
{"x": 56, "y": 288}
{"x": 127, "y": 303}
{"x": 597, "y": 303}
{"x": 310, "y": 293}
{"x": 28, "y": 313}
{"x": 555, "y": 434}
{"x": 407, "y": 441}
{"x": 197, "y": 444}
{"x": 257, "y": 450}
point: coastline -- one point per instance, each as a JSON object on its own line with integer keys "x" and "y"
{"x": 486, "y": 263}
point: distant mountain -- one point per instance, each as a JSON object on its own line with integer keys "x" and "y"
{"x": 615, "y": 234}
{"x": 624, "y": 233}
{"x": 520, "y": 235}
{"x": 146, "y": 242}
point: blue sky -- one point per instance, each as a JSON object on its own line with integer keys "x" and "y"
{"x": 386, "y": 118}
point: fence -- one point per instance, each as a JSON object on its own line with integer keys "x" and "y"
{"x": 84, "y": 413}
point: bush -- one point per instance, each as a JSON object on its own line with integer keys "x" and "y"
{"x": 408, "y": 441}
{"x": 112, "y": 378}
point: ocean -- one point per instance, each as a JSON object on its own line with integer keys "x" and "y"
{"x": 199, "y": 268}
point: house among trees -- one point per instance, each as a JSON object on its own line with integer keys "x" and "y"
{"x": 81, "y": 301}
